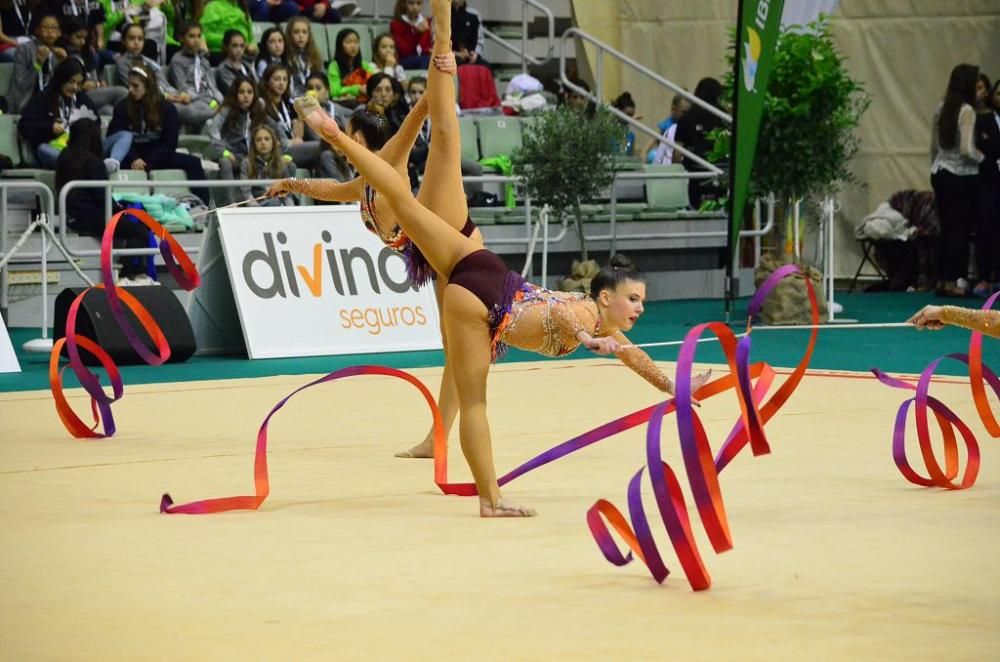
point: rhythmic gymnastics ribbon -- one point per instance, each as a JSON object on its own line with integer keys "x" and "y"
{"x": 184, "y": 272}
{"x": 702, "y": 471}
{"x": 948, "y": 421}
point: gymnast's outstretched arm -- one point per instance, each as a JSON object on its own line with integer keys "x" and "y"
{"x": 328, "y": 190}
{"x": 935, "y": 317}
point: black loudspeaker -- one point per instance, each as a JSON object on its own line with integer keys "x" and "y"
{"x": 95, "y": 321}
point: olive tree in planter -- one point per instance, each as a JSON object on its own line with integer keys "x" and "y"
{"x": 567, "y": 158}
{"x": 811, "y": 112}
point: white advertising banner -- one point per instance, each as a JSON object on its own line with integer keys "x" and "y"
{"x": 312, "y": 281}
{"x": 8, "y": 360}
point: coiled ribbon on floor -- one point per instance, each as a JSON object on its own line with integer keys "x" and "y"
{"x": 947, "y": 420}
{"x": 701, "y": 469}
{"x": 184, "y": 272}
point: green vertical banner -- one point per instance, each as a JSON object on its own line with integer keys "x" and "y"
{"x": 757, "y": 35}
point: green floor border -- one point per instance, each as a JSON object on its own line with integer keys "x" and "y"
{"x": 893, "y": 350}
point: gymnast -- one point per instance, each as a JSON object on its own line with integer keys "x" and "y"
{"x": 936, "y": 317}
{"x": 487, "y": 307}
{"x": 442, "y": 193}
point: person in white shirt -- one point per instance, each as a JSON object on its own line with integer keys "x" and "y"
{"x": 954, "y": 176}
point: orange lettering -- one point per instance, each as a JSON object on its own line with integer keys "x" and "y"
{"x": 314, "y": 281}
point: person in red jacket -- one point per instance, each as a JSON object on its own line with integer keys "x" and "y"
{"x": 319, "y": 11}
{"x": 412, "y": 33}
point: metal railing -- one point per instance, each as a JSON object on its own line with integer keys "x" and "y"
{"x": 529, "y": 239}
{"x": 151, "y": 184}
{"x": 522, "y": 50}
{"x": 597, "y": 96}
{"x": 613, "y": 236}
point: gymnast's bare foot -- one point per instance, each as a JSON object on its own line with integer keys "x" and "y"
{"x": 313, "y": 114}
{"x": 503, "y": 508}
{"x": 424, "y": 449}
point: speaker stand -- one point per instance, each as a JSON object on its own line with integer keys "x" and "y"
{"x": 43, "y": 344}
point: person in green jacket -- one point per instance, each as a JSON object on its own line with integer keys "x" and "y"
{"x": 222, "y": 15}
{"x": 114, "y": 13}
{"x": 347, "y": 72}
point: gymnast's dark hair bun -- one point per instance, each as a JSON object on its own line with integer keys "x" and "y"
{"x": 619, "y": 261}
{"x": 372, "y": 124}
{"x": 619, "y": 270}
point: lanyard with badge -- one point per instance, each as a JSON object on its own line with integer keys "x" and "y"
{"x": 45, "y": 74}
{"x": 285, "y": 118}
{"x": 66, "y": 110}
{"x": 197, "y": 74}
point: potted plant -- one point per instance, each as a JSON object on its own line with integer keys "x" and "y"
{"x": 567, "y": 158}
{"x": 811, "y": 111}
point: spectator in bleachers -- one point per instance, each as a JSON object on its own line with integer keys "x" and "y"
{"x": 15, "y": 25}
{"x": 332, "y": 164}
{"x": 91, "y": 14}
{"x": 301, "y": 54}
{"x": 576, "y": 100}
{"x": 466, "y": 34}
{"x": 221, "y": 17}
{"x": 191, "y": 73}
{"x": 234, "y": 66}
{"x": 625, "y": 103}
{"x": 155, "y": 127}
{"x": 85, "y": 208}
{"x": 271, "y": 50}
{"x": 265, "y": 161}
{"x": 77, "y": 42}
{"x": 657, "y": 152}
{"x": 230, "y": 129}
{"x": 693, "y": 133}
{"x": 133, "y": 40}
{"x": 413, "y": 34}
{"x": 415, "y": 88}
{"x": 348, "y": 73}
{"x": 273, "y": 11}
{"x": 988, "y": 204}
{"x": 34, "y": 62}
{"x": 152, "y": 16}
{"x": 387, "y": 92}
{"x": 46, "y": 119}
{"x": 384, "y": 57}
{"x": 319, "y": 11}
{"x": 278, "y": 106}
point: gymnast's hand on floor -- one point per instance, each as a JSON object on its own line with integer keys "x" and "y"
{"x": 446, "y": 62}
{"x": 929, "y": 317}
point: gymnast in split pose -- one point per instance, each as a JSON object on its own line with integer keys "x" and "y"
{"x": 936, "y": 317}
{"x": 487, "y": 307}
{"x": 442, "y": 193}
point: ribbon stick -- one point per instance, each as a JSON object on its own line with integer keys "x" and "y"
{"x": 184, "y": 272}
{"x": 948, "y": 421}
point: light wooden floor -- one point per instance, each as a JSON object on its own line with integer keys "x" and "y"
{"x": 356, "y": 556}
